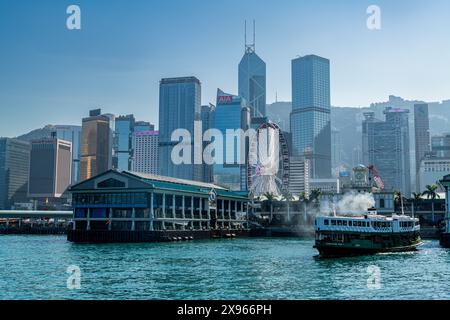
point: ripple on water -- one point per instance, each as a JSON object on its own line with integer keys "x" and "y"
{"x": 35, "y": 268}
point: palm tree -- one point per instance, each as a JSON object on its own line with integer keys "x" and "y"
{"x": 431, "y": 193}
{"x": 270, "y": 197}
{"x": 416, "y": 197}
{"x": 315, "y": 195}
{"x": 288, "y": 197}
{"x": 398, "y": 199}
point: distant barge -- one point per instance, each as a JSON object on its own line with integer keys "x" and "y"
{"x": 365, "y": 235}
{"x": 134, "y": 207}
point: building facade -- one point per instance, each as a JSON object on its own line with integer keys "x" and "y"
{"x": 232, "y": 113}
{"x": 440, "y": 146}
{"x": 141, "y": 126}
{"x": 123, "y": 142}
{"x": 50, "y": 168}
{"x": 422, "y": 137}
{"x": 14, "y": 172}
{"x": 298, "y": 176}
{"x": 386, "y": 146}
{"x": 96, "y": 144}
{"x": 431, "y": 170}
{"x": 310, "y": 117}
{"x": 179, "y": 108}
{"x": 146, "y": 158}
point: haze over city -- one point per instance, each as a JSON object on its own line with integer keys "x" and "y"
{"x": 116, "y": 60}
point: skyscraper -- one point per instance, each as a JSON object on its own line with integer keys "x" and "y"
{"x": 96, "y": 144}
{"x": 50, "y": 168}
{"x": 123, "y": 142}
{"x": 336, "y": 150}
{"x": 310, "y": 117}
{"x": 179, "y": 108}
{"x": 64, "y": 132}
{"x": 252, "y": 80}
{"x": 232, "y": 113}
{"x": 14, "y": 171}
{"x": 422, "y": 136}
{"x": 386, "y": 145}
{"x": 71, "y": 134}
{"x": 146, "y": 152}
{"x": 207, "y": 117}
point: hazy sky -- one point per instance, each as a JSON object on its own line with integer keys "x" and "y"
{"x": 49, "y": 74}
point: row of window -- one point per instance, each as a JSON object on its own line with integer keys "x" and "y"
{"x": 362, "y": 224}
{"x": 143, "y": 199}
{"x": 110, "y": 199}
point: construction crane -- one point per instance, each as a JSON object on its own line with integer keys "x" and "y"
{"x": 378, "y": 182}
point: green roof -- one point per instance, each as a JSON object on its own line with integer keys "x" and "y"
{"x": 167, "y": 183}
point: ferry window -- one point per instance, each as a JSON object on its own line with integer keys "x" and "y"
{"x": 326, "y": 222}
{"x": 350, "y": 223}
{"x": 339, "y": 223}
{"x": 333, "y": 222}
{"x": 359, "y": 224}
{"x": 382, "y": 204}
{"x": 344, "y": 223}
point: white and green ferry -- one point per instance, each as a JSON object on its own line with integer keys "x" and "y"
{"x": 367, "y": 234}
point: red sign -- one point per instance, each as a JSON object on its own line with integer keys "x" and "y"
{"x": 225, "y": 99}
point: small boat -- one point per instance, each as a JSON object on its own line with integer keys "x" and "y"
{"x": 366, "y": 234}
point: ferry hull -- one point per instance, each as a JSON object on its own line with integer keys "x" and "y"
{"x": 84, "y": 236}
{"x": 329, "y": 250}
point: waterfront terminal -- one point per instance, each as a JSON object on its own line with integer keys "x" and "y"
{"x": 135, "y": 207}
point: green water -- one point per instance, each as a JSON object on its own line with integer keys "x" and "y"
{"x": 34, "y": 267}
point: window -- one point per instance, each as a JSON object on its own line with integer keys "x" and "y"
{"x": 326, "y": 222}
{"x": 111, "y": 183}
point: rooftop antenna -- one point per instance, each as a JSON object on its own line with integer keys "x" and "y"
{"x": 250, "y": 48}
{"x": 254, "y": 35}
{"x": 245, "y": 32}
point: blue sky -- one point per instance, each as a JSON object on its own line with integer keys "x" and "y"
{"x": 49, "y": 74}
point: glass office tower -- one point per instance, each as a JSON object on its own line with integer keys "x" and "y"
{"x": 310, "y": 117}
{"x": 96, "y": 144}
{"x": 252, "y": 82}
{"x": 179, "y": 108}
{"x": 123, "y": 143}
{"x": 232, "y": 113}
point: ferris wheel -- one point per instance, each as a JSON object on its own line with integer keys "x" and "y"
{"x": 268, "y": 162}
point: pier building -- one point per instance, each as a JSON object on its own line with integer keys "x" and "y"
{"x": 136, "y": 207}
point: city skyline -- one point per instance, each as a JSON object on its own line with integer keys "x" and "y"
{"x": 121, "y": 73}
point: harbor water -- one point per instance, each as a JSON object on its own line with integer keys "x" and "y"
{"x": 35, "y": 267}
